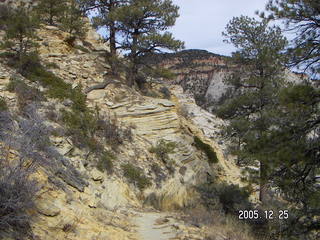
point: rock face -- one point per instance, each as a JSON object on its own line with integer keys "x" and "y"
{"x": 198, "y": 71}
{"x": 202, "y": 73}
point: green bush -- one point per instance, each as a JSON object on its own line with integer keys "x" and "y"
{"x": 105, "y": 162}
{"x": 231, "y": 198}
{"x": 136, "y": 176}
{"x": 52, "y": 65}
{"x": 207, "y": 149}
{"x": 165, "y": 92}
{"x": 31, "y": 68}
{"x": 3, "y": 104}
{"x": 25, "y": 93}
{"x": 81, "y": 126}
{"x": 163, "y": 149}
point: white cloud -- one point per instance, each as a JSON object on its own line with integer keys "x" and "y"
{"x": 201, "y": 21}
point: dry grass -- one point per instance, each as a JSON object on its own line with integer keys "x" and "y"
{"x": 219, "y": 226}
{"x": 229, "y": 228}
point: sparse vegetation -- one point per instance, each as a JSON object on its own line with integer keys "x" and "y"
{"x": 207, "y": 149}
{"x": 52, "y": 65}
{"x": 3, "y": 104}
{"x": 106, "y": 162}
{"x": 20, "y": 26}
{"x": 163, "y": 149}
{"x": 183, "y": 111}
{"x": 136, "y": 176}
{"x": 160, "y": 176}
{"x": 29, "y": 137}
{"x": 25, "y": 93}
{"x": 165, "y": 92}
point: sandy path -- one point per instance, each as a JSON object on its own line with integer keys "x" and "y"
{"x": 148, "y": 229}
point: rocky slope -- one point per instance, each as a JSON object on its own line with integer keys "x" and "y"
{"x": 202, "y": 73}
{"x": 76, "y": 200}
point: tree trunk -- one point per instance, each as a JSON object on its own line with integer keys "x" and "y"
{"x": 113, "y": 49}
{"x": 133, "y": 57}
{"x": 263, "y": 182}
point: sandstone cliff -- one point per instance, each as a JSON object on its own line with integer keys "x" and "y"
{"x": 202, "y": 74}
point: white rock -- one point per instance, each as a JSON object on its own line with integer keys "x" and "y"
{"x": 96, "y": 94}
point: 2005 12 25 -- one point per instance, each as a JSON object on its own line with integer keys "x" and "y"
{"x": 267, "y": 214}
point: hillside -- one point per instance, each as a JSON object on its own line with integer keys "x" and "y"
{"x": 78, "y": 199}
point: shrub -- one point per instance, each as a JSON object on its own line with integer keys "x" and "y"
{"x": 3, "y": 104}
{"x": 160, "y": 176}
{"x": 163, "y": 149}
{"x": 31, "y": 68}
{"x": 4, "y": 15}
{"x": 17, "y": 193}
{"x": 183, "y": 111}
{"x": 136, "y": 176}
{"x": 165, "y": 92}
{"x": 25, "y": 93}
{"x": 230, "y": 197}
{"x": 52, "y": 65}
{"x": 110, "y": 129}
{"x": 81, "y": 126}
{"x": 207, "y": 149}
{"x": 28, "y": 137}
{"x": 151, "y": 93}
{"x": 105, "y": 162}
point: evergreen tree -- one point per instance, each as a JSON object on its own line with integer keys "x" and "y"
{"x": 143, "y": 24}
{"x": 292, "y": 149}
{"x": 302, "y": 17}
{"x": 72, "y": 19}
{"x": 255, "y": 85}
{"x": 20, "y": 31}
{"x": 102, "y": 10}
{"x": 50, "y": 11}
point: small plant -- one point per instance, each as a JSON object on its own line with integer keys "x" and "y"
{"x": 113, "y": 132}
{"x": 165, "y": 92}
{"x": 230, "y": 198}
{"x": 183, "y": 111}
{"x": 106, "y": 162}
{"x": 207, "y": 149}
{"x": 81, "y": 48}
{"x": 52, "y": 65}
{"x": 3, "y": 104}
{"x": 151, "y": 93}
{"x": 163, "y": 149}
{"x": 136, "y": 176}
{"x": 25, "y": 93}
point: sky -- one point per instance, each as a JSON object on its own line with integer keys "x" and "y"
{"x": 201, "y": 22}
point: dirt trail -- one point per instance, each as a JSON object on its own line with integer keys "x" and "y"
{"x": 150, "y": 226}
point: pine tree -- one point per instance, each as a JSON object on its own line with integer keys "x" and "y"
{"x": 302, "y": 17}
{"x": 50, "y": 11}
{"x": 72, "y": 19}
{"x": 292, "y": 146}
{"x": 20, "y": 31}
{"x": 143, "y": 24}
{"x": 102, "y": 10}
{"x": 255, "y": 85}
